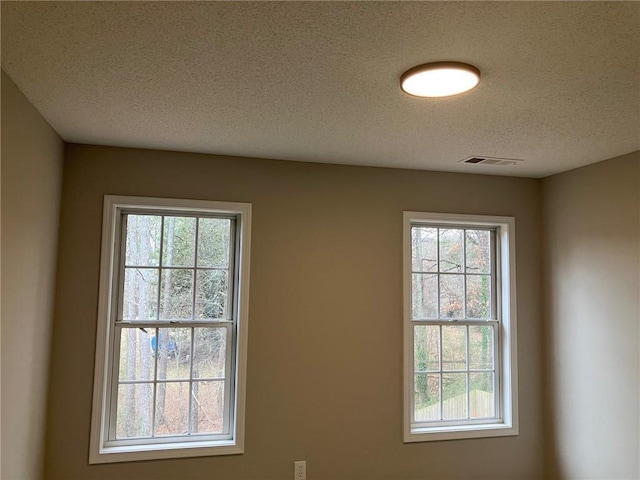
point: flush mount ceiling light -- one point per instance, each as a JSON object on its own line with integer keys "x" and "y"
{"x": 440, "y": 79}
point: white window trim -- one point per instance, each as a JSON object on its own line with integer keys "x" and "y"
{"x": 99, "y": 452}
{"x": 508, "y": 422}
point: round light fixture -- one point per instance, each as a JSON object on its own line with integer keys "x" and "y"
{"x": 440, "y": 79}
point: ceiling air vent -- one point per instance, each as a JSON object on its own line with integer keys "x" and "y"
{"x": 498, "y": 162}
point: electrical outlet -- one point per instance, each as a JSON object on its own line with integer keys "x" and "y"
{"x": 300, "y": 470}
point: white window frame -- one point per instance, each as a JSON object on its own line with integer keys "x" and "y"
{"x": 506, "y": 422}
{"x": 102, "y": 450}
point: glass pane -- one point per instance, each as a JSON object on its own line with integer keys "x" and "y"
{"x": 211, "y": 297}
{"x": 136, "y": 359}
{"x": 174, "y": 353}
{"x": 209, "y": 352}
{"x": 454, "y": 347}
{"x": 478, "y": 251}
{"x": 424, "y": 295}
{"x": 478, "y": 296}
{"x": 143, "y": 240}
{"x": 176, "y": 296}
{"x": 172, "y": 408}
{"x": 480, "y": 347}
{"x": 133, "y": 418}
{"x": 179, "y": 246}
{"x": 454, "y": 396}
{"x": 424, "y": 249}
{"x": 426, "y": 348}
{"x": 451, "y": 296}
{"x": 426, "y": 397}
{"x": 207, "y": 408}
{"x": 140, "y": 300}
{"x": 451, "y": 250}
{"x": 481, "y": 395}
{"x": 214, "y": 236}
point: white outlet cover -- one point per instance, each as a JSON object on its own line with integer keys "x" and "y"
{"x": 300, "y": 470}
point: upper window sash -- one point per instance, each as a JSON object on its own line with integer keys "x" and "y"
{"x": 160, "y": 262}
{"x": 436, "y": 271}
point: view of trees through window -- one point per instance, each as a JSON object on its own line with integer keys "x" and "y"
{"x": 452, "y": 281}
{"x": 172, "y": 378}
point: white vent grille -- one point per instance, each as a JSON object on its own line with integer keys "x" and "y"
{"x": 495, "y": 161}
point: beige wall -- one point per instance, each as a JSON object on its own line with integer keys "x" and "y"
{"x": 592, "y": 246}
{"x": 325, "y": 332}
{"x": 31, "y": 178}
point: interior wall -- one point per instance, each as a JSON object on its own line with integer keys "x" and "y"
{"x": 592, "y": 245}
{"x": 32, "y": 157}
{"x": 324, "y": 379}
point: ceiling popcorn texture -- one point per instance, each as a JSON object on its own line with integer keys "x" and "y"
{"x": 319, "y": 81}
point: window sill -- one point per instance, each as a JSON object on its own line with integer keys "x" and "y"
{"x": 134, "y": 453}
{"x": 459, "y": 432}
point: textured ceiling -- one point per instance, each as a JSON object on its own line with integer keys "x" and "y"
{"x": 318, "y": 81}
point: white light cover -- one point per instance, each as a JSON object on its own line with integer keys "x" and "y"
{"x": 440, "y": 79}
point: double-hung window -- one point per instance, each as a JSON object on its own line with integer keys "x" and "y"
{"x": 172, "y": 329}
{"x": 460, "y": 327}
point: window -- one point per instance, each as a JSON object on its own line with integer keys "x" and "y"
{"x": 172, "y": 329}
{"x": 460, "y": 327}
